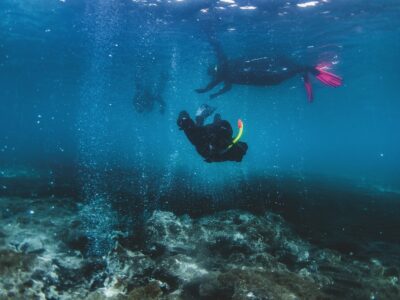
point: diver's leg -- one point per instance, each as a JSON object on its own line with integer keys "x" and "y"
{"x": 203, "y": 112}
{"x": 209, "y": 86}
{"x": 227, "y": 87}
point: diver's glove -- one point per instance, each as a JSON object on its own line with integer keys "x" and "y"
{"x": 205, "y": 111}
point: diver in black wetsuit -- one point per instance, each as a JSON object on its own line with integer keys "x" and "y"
{"x": 212, "y": 141}
{"x": 262, "y": 71}
{"x": 146, "y": 96}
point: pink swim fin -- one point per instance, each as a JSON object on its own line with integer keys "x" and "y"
{"x": 322, "y": 75}
{"x": 326, "y": 77}
{"x": 308, "y": 87}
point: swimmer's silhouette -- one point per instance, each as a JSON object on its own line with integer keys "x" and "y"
{"x": 262, "y": 71}
{"x": 148, "y": 94}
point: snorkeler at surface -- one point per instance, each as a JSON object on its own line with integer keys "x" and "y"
{"x": 213, "y": 141}
{"x": 263, "y": 71}
{"x": 146, "y": 96}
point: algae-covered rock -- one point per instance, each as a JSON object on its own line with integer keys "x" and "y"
{"x": 169, "y": 230}
{"x": 151, "y": 291}
{"x": 227, "y": 255}
{"x": 11, "y": 261}
{"x": 251, "y": 284}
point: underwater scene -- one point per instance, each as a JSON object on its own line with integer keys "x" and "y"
{"x": 199, "y": 149}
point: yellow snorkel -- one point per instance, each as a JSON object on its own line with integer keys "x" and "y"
{"x": 237, "y": 138}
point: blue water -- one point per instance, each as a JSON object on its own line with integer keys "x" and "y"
{"x": 100, "y": 201}
{"x": 67, "y": 79}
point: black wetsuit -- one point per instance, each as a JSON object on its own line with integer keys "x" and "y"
{"x": 212, "y": 141}
{"x": 262, "y": 71}
{"x": 258, "y": 71}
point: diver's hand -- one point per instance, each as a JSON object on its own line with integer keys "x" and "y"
{"x": 200, "y": 91}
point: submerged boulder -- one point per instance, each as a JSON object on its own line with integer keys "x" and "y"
{"x": 12, "y": 261}
{"x": 164, "y": 228}
{"x": 151, "y": 291}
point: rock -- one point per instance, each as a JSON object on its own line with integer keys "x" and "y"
{"x": 97, "y": 295}
{"x": 164, "y": 228}
{"x": 75, "y": 224}
{"x": 155, "y": 250}
{"x": 227, "y": 255}
{"x": 24, "y": 220}
{"x": 91, "y": 270}
{"x": 170, "y": 282}
{"x": 11, "y": 261}
{"x": 208, "y": 287}
{"x": 32, "y": 245}
{"x": 177, "y": 270}
{"x": 79, "y": 243}
{"x": 74, "y": 239}
{"x": 152, "y": 291}
{"x": 391, "y": 272}
{"x": 38, "y": 275}
{"x": 91, "y": 267}
{"x": 26, "y": 243}
{"x": 132, "y": 267}
{"x": 183, "y": 267}
{"x": 227, "y": 246}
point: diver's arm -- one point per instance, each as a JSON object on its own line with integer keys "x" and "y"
{"x": 209, "y": 86}
{"x": 227, "y": 87}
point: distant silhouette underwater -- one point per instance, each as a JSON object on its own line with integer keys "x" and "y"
{"x": 263, "y": 71}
